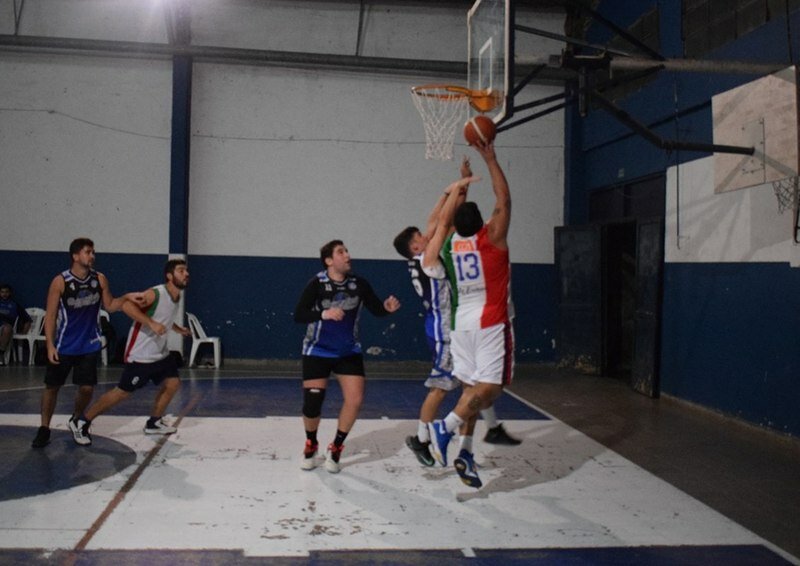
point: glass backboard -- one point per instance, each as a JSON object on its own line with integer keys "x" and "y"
{"x": 489, "y": 46}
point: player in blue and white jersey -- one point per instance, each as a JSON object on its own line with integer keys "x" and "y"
{"x": 72, "y": 330}
{"x": 330, "y": 305}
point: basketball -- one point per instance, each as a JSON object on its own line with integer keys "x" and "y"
{"x": 479, "y": 129}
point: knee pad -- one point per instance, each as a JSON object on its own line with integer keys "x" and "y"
{"x": 312, "y": 402}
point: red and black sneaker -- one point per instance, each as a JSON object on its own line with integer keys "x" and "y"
{"x": 332, "y": 456}
{"x": 309, "y": 455}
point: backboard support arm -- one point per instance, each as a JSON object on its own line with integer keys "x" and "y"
{"x": 658, "y": 141}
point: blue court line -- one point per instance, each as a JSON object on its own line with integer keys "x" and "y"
{"x": 734, "y": 555}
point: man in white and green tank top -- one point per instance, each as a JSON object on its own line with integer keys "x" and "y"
{"x": 477, "y": 262}
{"x": 147, "y": 356}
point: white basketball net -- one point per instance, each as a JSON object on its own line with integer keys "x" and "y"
{"x": 443, "y": 112}
{"x": 786, "y": 191}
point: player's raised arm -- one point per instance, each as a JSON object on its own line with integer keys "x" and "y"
{"x": 498, "y": 224}
{"x": 456, "y": 193}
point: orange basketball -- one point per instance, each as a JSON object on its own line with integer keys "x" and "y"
{"x": 479, "y": 129}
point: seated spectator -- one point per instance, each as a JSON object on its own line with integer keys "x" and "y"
{"x": 10, "y": 310}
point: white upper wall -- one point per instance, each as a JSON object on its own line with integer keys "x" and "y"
{"x": 288, "y": 159}
{"x": 282, "y": 159}
{"x": 86, "y": 149}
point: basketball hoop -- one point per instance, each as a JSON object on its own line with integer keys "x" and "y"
{"x": 786, "y": 191}
{"x": 443, "y": 109}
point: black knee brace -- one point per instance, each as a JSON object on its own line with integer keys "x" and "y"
{"x": 312, "y": 402}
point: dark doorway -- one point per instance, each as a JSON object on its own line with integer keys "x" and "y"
{"x": 610, "y": 279}
{"x": 619, "y": 289}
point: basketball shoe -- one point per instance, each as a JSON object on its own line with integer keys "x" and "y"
{"x": 421, "y": 450}
{"x": 467, "y": 471}
{"x": 440, "y": 438}
{"x": 158, "y": 426}
{"x": 332, "y": 456}
{"x": 309, "y": 456}
{"x": 498, "y": 435}
{"x": 42, "y": 438}
{"x": 80, "y": 431}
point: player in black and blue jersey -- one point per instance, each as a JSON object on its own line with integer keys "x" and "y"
{"x": 331, "y": 304}
{"x": 72, "y": 330}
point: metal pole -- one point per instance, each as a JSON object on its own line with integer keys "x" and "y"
{"x": 641, "y": 63}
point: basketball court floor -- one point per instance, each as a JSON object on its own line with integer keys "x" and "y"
{"x": 228, "y": 489}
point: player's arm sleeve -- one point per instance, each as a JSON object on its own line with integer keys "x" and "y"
{"x": 306, "y": 312}
{"x": 371, "y": 300}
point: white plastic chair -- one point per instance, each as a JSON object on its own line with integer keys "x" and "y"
{"x": 199, "y": 337}
{"x": 33, "y": 335}
{"x": 103, "y": 340}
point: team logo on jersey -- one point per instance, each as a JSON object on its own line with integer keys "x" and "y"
{"x": 463, "y": 246}
{"x": 328, "y": 287}
{"x": 94, "y": 283}
{"x": 352, "y": 285}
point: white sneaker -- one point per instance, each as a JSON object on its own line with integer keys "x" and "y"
{"x": 160, "y": 427}
{"x": 80, "y": 431}
{"x": 332, "y": 455}
{"x": 309, "y": 456}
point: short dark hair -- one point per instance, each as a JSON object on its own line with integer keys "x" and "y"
{"x": 402, "y": 242}
{"x": 468, "y": 219}
{"x": 169, "y": 267}
{"x": 78, "y": 244}
{"x": 326, "y": 251}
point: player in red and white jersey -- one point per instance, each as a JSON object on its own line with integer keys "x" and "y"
{"x": 477, "y": 262}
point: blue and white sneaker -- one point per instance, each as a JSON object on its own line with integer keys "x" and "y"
{"x": 467, "y": 471}
{"x": 440, "y": 438}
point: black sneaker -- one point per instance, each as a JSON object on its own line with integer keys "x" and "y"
{"x": 498, "y": 435}
{"x": 42, "y": 437}
{"x": 421, "y": 450}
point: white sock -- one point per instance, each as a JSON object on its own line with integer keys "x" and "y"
{"x": 452, "y": 421}
{"x": 466, "y": 444}
{"x": 490, "y": 417}
{"x": 423, "y": 435}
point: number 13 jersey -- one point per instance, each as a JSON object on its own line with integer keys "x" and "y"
{"x": 480, "y": 275}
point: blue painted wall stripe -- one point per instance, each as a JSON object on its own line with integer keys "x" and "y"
{"x": 179, "y": 160}
{"x": 249, "y": 301}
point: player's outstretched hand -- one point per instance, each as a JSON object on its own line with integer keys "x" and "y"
{"x": 466, "y": 170}
{"x": 486, "y": 150}
{"x": 391, "y": 304}
{"x": 461, "y": 185}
